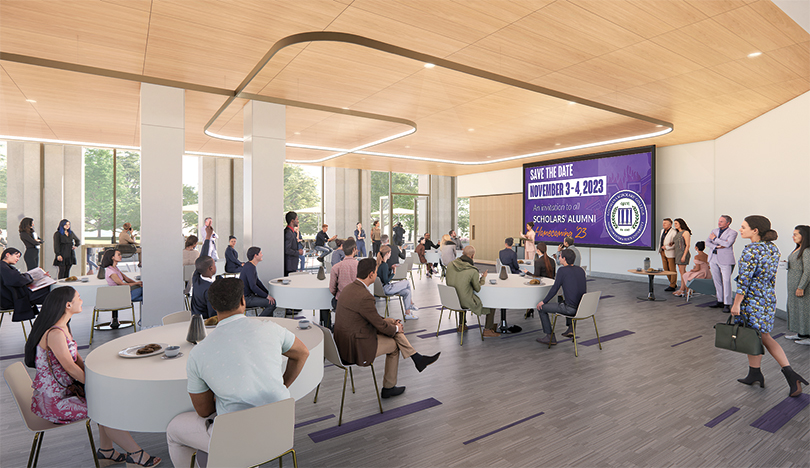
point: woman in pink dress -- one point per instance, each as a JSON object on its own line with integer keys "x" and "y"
{"x": 701, "y": 268}
{"x": 52, "y": 350}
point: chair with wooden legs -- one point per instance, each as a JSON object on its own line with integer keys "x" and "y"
{"x": 449, "y": 300}
{"x": 331, "y": 354}
{"x": 379, "y": 292}
{"x": 112, "y": 299}
{"x": 586, "y": 310}
{"x": 22, "y": 322}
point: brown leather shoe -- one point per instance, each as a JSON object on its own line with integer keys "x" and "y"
{"x": 491, "y": 333}
{"x": 460, "y": 328}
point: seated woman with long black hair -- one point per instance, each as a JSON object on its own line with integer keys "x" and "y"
{"x": 52, "y": 350}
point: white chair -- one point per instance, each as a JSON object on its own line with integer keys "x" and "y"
{"x": 498, "y": 266}
{"x": 586, "y": 310}
{"x": 379, "y": 292}
{"x": 331, "y": 354}
{"x": 188, "y": 272}
{"x": 448, "y": 296}
{"x": 112, "y": 299}
{"x": 241, "y": 438}
{"x": 177, "y": 317}
{"x": 19, "y": 382}
{"x": 403, "y": 270}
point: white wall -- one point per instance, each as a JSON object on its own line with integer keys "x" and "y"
{"x": 761, "y": 167}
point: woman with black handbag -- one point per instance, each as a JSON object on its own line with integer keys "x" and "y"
{"x": 755, "y": 302}
{"x": 59, "y": 383}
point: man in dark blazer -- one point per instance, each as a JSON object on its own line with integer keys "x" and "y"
{"x": 361, "y": 334}
{"x": 14, "y": 291}
{"x": 232, "y": 263}
{"x": 508, "y": 256}
{"x": 256, "y": 294}
{"x": 291, "y": 250}
{"x": 201, "y": 281}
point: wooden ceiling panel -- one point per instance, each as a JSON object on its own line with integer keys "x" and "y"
{"x": 604, "y": 72}
{"x": 784, "y": 23}
{"x": 757, "y": 71}
{"x": 572, "y": 85}
{"x": 716, "y": 7}
{"x": 506, "y": 10}
{"x": 521, "y": 43}
{"x": 654, "y": 60}
{"x": 699, "y": 84}
{"x": 143, "y": 5}
{"x": 785, "y": 91}
{"x": 756, "y": 30}
{"x": 19, "y": 117}
{"x": 707, "y": 43}
{"x": 524, "y": 69}
{"x": 626, "y": 15}
{"x": 794, "y": 58}
{"x": 676, "y": 14}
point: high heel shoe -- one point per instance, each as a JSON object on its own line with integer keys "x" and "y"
{"x": 104, "y": 460}
{"x": 131, "y": 463}
{"x": 794, "y": 380}
{"x": 754, "y": 375}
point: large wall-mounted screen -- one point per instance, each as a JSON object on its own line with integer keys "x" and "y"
{"x": 601, "y": 200}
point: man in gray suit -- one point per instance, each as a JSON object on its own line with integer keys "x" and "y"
{"x": 720, "y": 246}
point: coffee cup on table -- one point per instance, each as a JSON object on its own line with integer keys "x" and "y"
{"x": 172, "y": 351}
{"x": 303, "y": 324}
{"x": 493, "y": 281}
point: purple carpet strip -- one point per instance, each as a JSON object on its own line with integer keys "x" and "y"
{"x": 780, "y": 335}
{"x": 780, "y": 414}
{"x": 605, "y": 297}
{"x": 503, "y": 428}
{"x": 445, "y": 332}
{"x": 416, "y": 331}
{"x": 722, "y": 417}
{"x": 368, "y": 421}
{"x": 612, "y": 336}
{"x": 687, "y": 341}
{"x": 707, "y": 304}
{"x": 20, "y": 356}
{"x": 313, "y": 421}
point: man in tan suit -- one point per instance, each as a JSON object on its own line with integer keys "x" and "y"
{"x": 666, "y": 247}
{"x": 361, "y": 334}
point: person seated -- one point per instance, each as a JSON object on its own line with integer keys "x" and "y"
{"x": 345, "y": 272}
{"x": 573, "y": 282}
{"x": 447, "y": 251}
{"x": 52, "y": 351}
{"x": 126, "y": 239}
{"x": 396, "y": 253}
{"x": 232, "y": 263}
{"x": 190, "y": 252}
{"x": 508, "y": 256}
{"x": 543, "y": 265}
{"x": 201, "y": 280}
{"x": 361, "y": 334}
{"x": 322, "y": 240}
{"x": 109, "y": 263}
{"x": 456, "y": 240}
{"x": 15, "y": 293}
{"x": 251, "y": 351}
{"x": 256, "y": 294}
{"x": 420, "y": 251}
{"x": 700, "y": 270}
{"x": 399, "y": 288}
{"x": 462, "y": 275}
{"x": 337, "y": 254}
{"x": 568, "y": 244}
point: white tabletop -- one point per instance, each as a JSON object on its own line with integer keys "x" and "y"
{"x": 303, "y": 292}
{"x": 144, "y": 394}
{"x": 87, "y": 290}
{"x": 513, "y": 293}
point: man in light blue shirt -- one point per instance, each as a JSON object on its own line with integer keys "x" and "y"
{"x": 238, "y": 366}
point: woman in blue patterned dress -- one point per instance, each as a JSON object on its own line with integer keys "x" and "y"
{"x": 755, "y": 303}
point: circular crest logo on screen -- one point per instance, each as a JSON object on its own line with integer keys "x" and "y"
{"x": 625, "y": 216}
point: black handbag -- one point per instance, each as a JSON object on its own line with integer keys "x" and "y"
{"x": 737, "y": 337}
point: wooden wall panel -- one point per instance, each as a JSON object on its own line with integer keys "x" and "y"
{"x": 493, "y": 218}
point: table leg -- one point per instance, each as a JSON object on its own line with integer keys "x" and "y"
{"x": 503, "y": 328}
{"x": 651, "y": 294}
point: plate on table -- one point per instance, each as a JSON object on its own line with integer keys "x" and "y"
{"x": 132, "y": 351}
{"x": 528, "y": 283}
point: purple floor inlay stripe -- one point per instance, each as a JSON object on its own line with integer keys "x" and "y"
{"x": 373, "y": 420}
{"x": 588, "y": 281}
{"x": 722, "y": 417}
{"x": 416, "y": 331}
{"x": 707, "y": 304}
{"x": 503, "y": 428}
{"x": 445, "y": 332}
{"x": 687, "y": 341}
{"x": 612, "y": 336}
{"x": 313, "y": 421}
{"x": 780, "y": 414}
{"x": 20, "y": 356}
{"x": 605, "y": 297}
{"x": 779, "y": 335}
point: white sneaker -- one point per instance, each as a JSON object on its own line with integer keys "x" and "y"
{"x": 413, "y": 307}
{"x": 805, "y": 341}
{"x": 795, "y": 336}
{"x": 411, "y": 317}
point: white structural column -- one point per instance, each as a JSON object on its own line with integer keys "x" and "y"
{"x": 263, "y": 185}
{"x": 24, "y": 192}
{"x": 52, "y": 206}
{"x": 215, "y": 199}
{"x": 343, "y": 204}
{"x": 162, "y": 148}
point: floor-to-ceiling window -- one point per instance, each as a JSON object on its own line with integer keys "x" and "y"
{"x": 302, "y": 194}
{"x": 99, "y": 202}
{"x": 463, "y": 216}
{"x": 191, "y": 195}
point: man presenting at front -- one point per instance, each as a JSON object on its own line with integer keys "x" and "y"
{"x": 238, "y": 366}
{"x": 573, "y": 282}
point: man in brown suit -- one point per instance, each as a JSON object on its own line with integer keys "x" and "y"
{"x": 361, "y": 334}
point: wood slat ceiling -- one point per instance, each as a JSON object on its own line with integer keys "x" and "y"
{"x": 684, "y": 62}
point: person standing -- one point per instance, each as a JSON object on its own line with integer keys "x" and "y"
{"x": 528, "y": 245}
{"x": 399, "y": 234}
{"x": 210, "y": 243}
{"x": 798, "y": 303}
{"x": 256, "y": 294}
{"x": 64, "y": 246}
{"x": 302, "y": 259}
{"x": 375, "y": 237}
{"x": 31, "y": 241}
{"x": 755, "y": 301}
{"x": 721, "y": 261}
{"x": 682, "y": 241}
{"x": 360, "y": 238}
{"x": 666, "y": 248}
{"x": 291, "y": 250}
{"x": 232, "y": 263}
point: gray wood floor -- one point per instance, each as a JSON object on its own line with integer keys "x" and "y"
{"x": 637, "y": 402}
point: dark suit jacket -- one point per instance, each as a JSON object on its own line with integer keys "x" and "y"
{"x": 14, "y": 293}
{"x": 357, "y": 323}
{"x": 63, "y": 245}
{"x": 199, "y": 297}
{"x": 232, "y": 263}
{"x": 290, "y": 250}
{"x": 508, "y": 258}
{"x": 396, "y": 254}
{"x": 250, "y": 277}
{"x": 28, "y": 240}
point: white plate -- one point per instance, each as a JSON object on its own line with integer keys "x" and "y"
{"x": 210, "y": 326}
{"x": 131, "y": 351}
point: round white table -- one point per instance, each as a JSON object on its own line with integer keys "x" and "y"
{"x": 144, "y": 394}
{"x": 303, "y": 292}
{"x": 512, "y": 293}
{"x": 87, "y": 290}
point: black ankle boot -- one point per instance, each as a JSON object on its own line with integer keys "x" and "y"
{"x": 794, "y": 380}
{"x": 754, "y": 375}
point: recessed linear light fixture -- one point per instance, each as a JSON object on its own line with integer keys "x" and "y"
{"x": 470, "y": 129}
{"x": 754, "y": 54}
{"x": 429, "y": 65}
{"x": 297, "y": 133}
{"x": 30, "y": 100}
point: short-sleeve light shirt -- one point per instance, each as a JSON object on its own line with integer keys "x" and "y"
{"x": 240, "y": 361}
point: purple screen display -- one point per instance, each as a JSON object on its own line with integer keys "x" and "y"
{"x": 605, "y": 201}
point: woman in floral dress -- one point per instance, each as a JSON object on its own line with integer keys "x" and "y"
{"x": 755, "y": 302}
{"x": 52, "y": 350}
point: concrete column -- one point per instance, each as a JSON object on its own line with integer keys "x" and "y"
{"x": 24, "y": 192}
{"x": 207, "y": 197}
{"x": 263, "y": 184}
{"x": 52, "y": 202}
{"x": 238, "y": 205}
{"x": 343, "y": 204}
{"x": 162, "y": 148}
{"x": 223, "y": 203}
{"x": 73, "y": 205}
